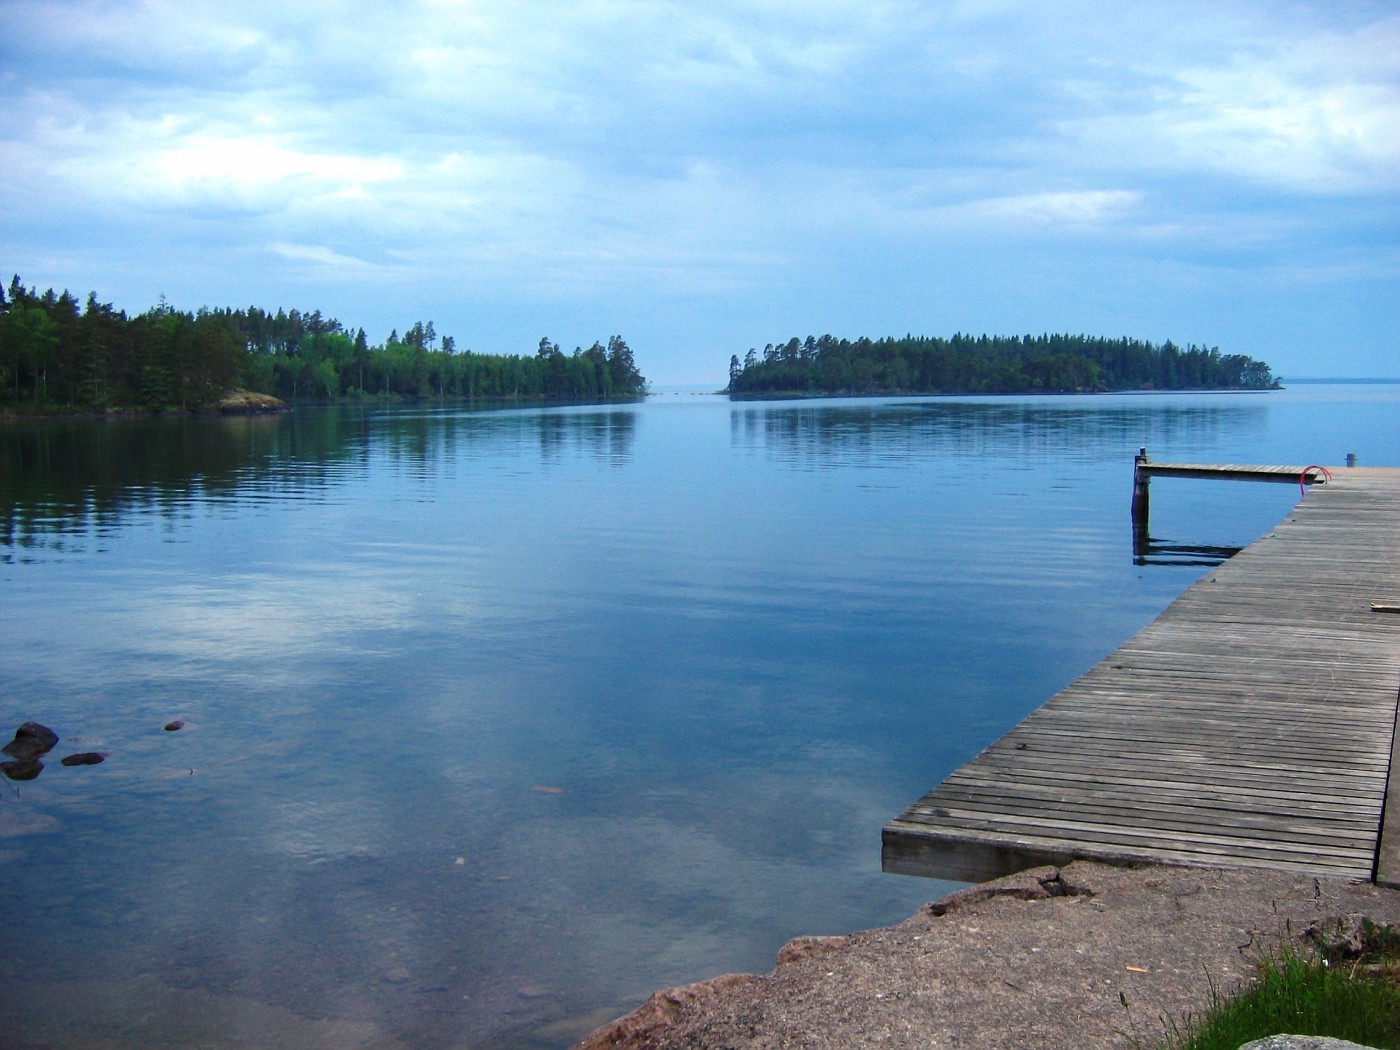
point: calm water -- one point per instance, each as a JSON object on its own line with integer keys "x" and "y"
{"x": 496, "y": 721}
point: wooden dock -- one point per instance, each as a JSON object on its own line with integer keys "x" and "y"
{"x": 1253, "y": 724}
{"x": 1144, "y": 470}
{"x": 1232, "y": 472}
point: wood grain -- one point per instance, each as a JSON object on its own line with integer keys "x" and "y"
{"x": 1253, "y": 724}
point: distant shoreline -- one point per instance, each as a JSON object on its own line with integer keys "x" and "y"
{"x": 820, "y": 395}
{"x": 1339, "y": 380}
{"x": 223, "y": 409}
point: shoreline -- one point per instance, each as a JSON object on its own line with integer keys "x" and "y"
{"x": 1085, "y": 956}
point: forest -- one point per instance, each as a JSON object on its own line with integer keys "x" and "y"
{"x": 985, "y": 364}
{"x": 57, "y": 355}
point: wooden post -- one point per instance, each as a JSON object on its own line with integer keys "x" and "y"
{"x": 1140, "y": 491}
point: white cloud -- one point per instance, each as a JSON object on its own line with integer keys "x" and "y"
{"x": 611, "y": 150}
{"x": 1060, "y": 209}
{"x": 236, "y": 161}
{"x": 1313, "y": 114}
{"x": 333, "y": 263}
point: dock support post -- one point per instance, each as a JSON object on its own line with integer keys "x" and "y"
{"x": 1140, "y": 490}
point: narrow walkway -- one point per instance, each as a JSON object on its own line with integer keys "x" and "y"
{"x": 1252, "y": 724}
{"x": 1230, "y": 472}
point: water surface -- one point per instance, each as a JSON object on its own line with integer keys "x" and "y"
{"x": 495, "y": 721}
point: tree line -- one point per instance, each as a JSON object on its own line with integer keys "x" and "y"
{"x": 989, "y": 365}
{"x": 58, "y": 355}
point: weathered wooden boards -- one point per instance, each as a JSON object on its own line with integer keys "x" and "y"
{"x": 1224, "y": 471}
{"x": 1144, "y": 470}
{"x": 1253, "y": 724}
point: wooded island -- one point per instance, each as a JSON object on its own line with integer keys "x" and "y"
{"x": 986, "y": 364}
{"x": 56, "y": 356}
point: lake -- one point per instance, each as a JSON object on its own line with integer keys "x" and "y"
{"x": 495, "y": 721}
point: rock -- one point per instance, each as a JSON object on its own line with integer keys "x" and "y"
{"x": 170, "y": 727}
{"x": 1084, "y": 955}
{"x": 1339, "y": 937}
{"x": 800, "y": 948}
{"x": 1351, "y": 937}
{"x": 1303, "y": 1042}
{"x": 248, "y": 403}
{"x": 31, "y": 740}
{"x": 22, "y": 768}
{"x": 659, "y": 1012}
{"x": 1036, "y": 884}
{"x": 86, "y": 758}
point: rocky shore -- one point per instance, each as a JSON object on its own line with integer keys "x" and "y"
{"x": 248, "y": 403}
{"x": 1088, "y": 956}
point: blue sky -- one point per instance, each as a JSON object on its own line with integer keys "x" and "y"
{"x": 706, "y": 177}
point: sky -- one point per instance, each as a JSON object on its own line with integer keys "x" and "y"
{"x": 706, "y": 177}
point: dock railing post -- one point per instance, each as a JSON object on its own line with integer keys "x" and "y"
{"x": 1140, "y": 491}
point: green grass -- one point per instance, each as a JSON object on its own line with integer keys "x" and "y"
{"x": 1357, "y": 1000}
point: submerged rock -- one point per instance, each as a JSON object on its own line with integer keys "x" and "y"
{"x": 86, "y": 758}
{"x": 31, "y": 740}
{"x": 22, "y": 768}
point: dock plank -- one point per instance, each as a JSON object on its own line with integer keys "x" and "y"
{"x": 1252, "y": 724}
{"x": 1224, "y": 471}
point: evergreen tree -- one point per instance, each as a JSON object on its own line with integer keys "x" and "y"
{"x": 989, "y": 364}
{"x": 55, "y": 355}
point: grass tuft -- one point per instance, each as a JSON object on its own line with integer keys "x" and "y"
{"x": 1357, "y": 999}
